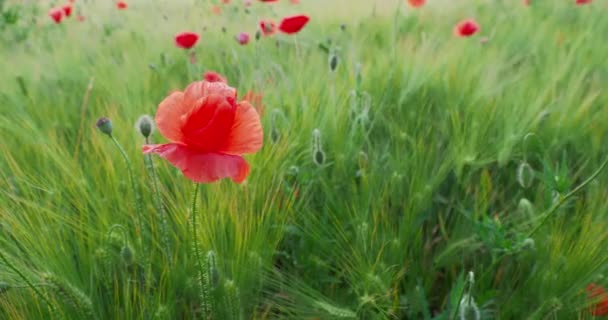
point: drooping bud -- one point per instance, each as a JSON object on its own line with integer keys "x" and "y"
{"x": 212, "y": 271}
{"x": 145, "y": 125}
{"x": 104, "y": 125}
{"x": 126, "y": 253}
{"x": 318, "y": 156}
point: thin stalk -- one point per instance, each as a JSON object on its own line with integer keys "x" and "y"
{"x": 25, "y": 279}
{"x": 568, "y": 196}
{"x": 162, "y": 214}
{"x": 138, "y": 205}
{"x": 197, "y": 253}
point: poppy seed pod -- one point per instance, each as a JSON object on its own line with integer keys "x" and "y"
{"x": 104, "y": 125}
{"x": 145, "y": 125}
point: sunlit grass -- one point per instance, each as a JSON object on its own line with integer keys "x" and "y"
{"x": 422, "y": 136}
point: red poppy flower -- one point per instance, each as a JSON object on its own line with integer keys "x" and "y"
{"x": 581, "y": 2}
{"x": 268, "y": 27}
{"x": 216, "y": 9}
{"x": 466, "y": 28}
{"x": 80, "y": 18}
{"x": 600, "y": 299}
{"x": 225, "y": 1}
{"x": 243, "y": 38}
{"x": 208, "y": 132}
{"x": 212, "y": 76}
{"x": 56, "y": 14}
{"x": 294, "y": 24}
{"x": 416, "y": 3}
{"x": 295, "y": 1}
{"x": 527, "y": 2}
{"x": 186, "y": 40}
{"x": 67, "y": 9}
{"x": 121, "y": 5}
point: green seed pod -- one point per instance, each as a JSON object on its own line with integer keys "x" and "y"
{"x": 104, "y": 125}
{"x": 145, "y": 125}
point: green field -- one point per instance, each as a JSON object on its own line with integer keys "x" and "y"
{"x": 427, "y": 176}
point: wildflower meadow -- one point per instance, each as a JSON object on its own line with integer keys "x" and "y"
{"x": 303, "y": 159}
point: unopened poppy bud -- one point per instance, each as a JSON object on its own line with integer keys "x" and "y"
{"x": 104, "y": 125}
{"x": 275, "y": 135}
{"x": 359, "y": 76}
{"x": 343, "y": 27}
{"x": 319, "y": 157}
{"x": 213, "y": 272}
{"x": 258, "y": 35}
{"x": 127, "y": 255}
{"x": 525, "y": 207}
{"x": 469, "y": 309}
{"x": 525, "y": 174}
{"x": 333, "y": 62}
{"x": 145, "y": 125}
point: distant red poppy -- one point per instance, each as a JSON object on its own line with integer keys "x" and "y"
{"x": 225, "y": 1}
{"x": 269, "y": 0}
{"x": 208, "y": 132}
{"x": 186, "y": 40}
{"x": 416, "y": 3}
{"x": 581, "y": 2}
{"x": 527, "y": 2}
{"x": 121, "y": 5}
{"x": 243, "y": 38}
{"x": 80, "y": 18}
{"x": 293, "y": 24}
{"x": 56, "y": 14}
{"x": 212, "y": 76}
{"x": 67, "y": 9}
{"x": 295, "y": 1}
{"x": 268, "y": 27}
{"x": 600, "y": 299}
{"x": 247, "y": 3}
{"x": 466, "y": 28}
{"x": 216, "y": 9}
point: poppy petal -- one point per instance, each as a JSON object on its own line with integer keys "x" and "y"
{"x": 169, "y": 116}
{"x": 207, "y": 127}
{"x": 246, "y": 135}
{"x": 200, "y": 89}
{"x": 202, "y": 167}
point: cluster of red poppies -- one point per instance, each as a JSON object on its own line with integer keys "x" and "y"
{"x": 288, "y": 25}
{"x": 65, "y": 11}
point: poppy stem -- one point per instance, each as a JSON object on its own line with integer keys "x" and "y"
{"x": 138, "y": 205}
{"x": 25, "y": 279}
{"x": 197, "y": 253}
{"x": 569, "y": 195}
{"x": 162, "y": 214}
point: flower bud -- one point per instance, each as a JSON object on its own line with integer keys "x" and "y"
{"x": 145, "y": 125}
{"x": 104, "y": 125}
{"x": 127, "y": 255}
{"x": 333, "y": 62}
{"x": 525, "y": 174}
